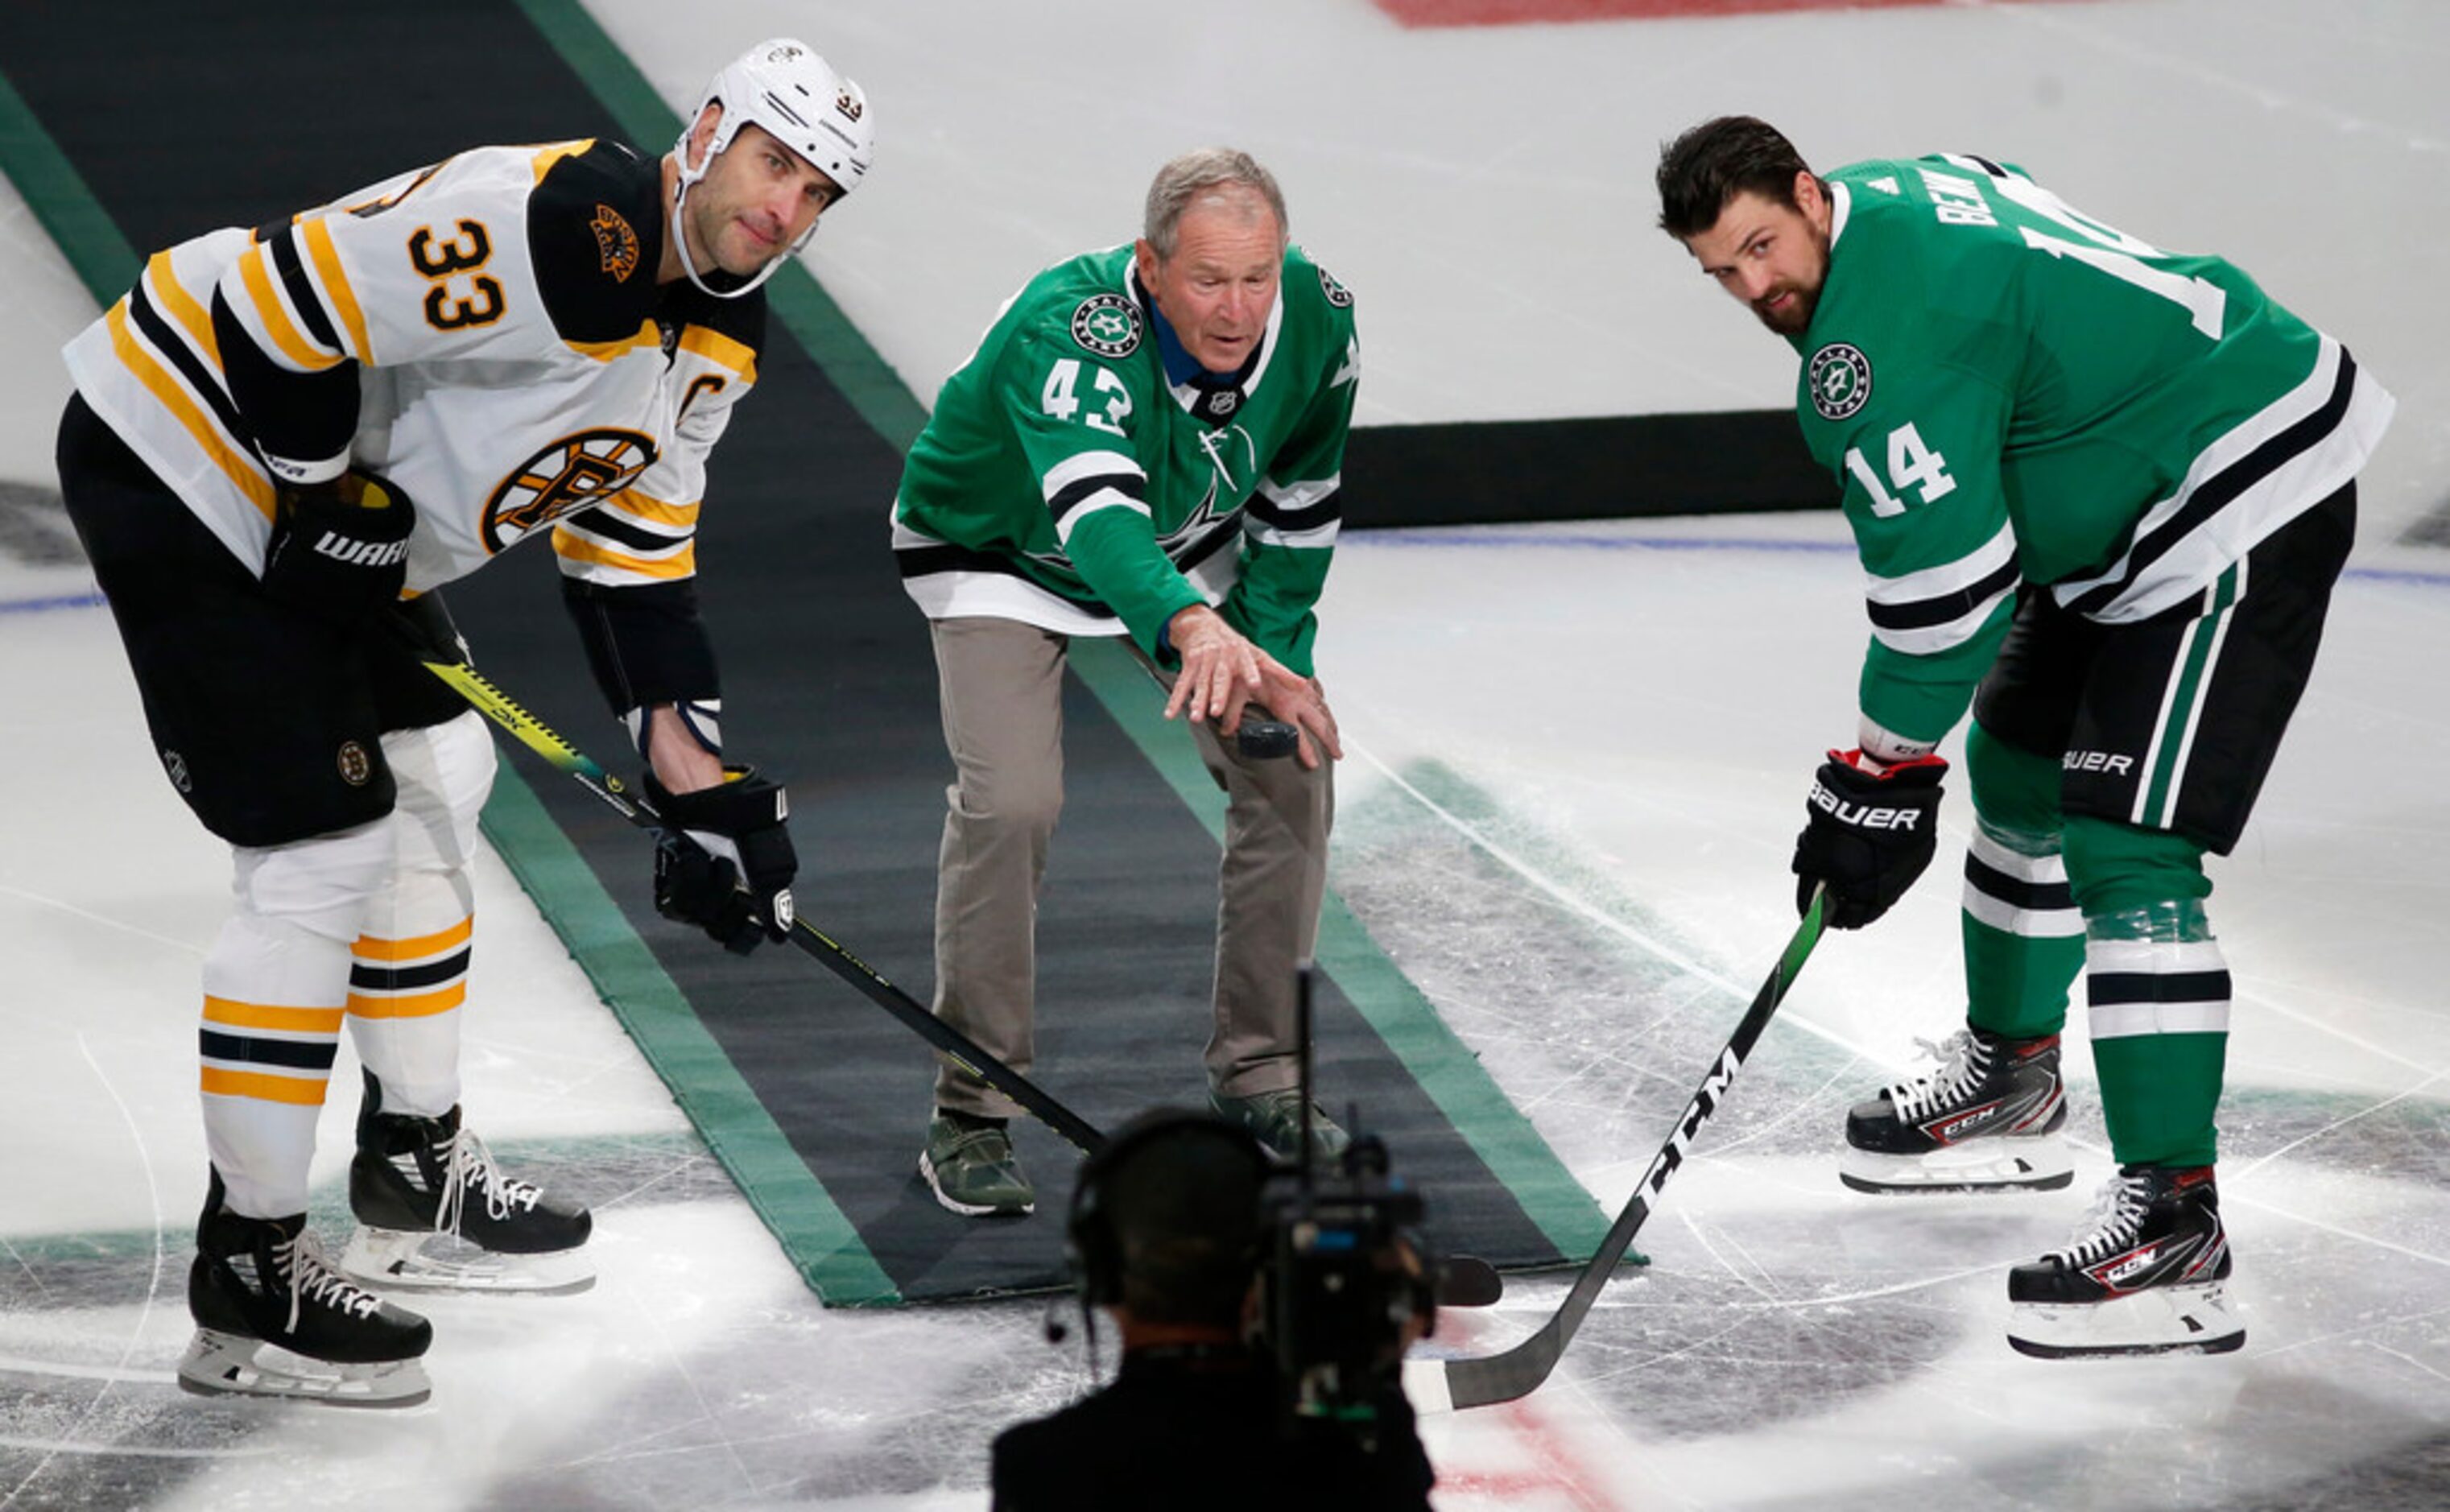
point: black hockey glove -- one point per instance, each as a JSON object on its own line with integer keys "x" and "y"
{"x": 340, "y": 549}
{"x": 725, "y": 863}
{"x": 1868, "y": 835}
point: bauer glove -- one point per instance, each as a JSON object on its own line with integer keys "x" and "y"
{"x": 339, "y": 551}
{"x": 1868, "y": 835}
{"x": 725, "y": 862}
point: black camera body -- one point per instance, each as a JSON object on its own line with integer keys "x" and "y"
{"x": 1346, "y": 1283}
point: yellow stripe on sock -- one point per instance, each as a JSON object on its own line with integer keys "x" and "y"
{"x": 305, "y": 1092}
{"x": 261, "y": 1015}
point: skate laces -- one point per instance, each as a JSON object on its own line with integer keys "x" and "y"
{"x": 2111, "y": 1223}
{"x": 312, "y": 1279}
{"x": 1963, "y": 1063}
{"x": 470, "y": 1164}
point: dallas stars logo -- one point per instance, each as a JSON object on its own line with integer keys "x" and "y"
{"x": 1839, "y": 377}
{"x": 1107, "y": 324}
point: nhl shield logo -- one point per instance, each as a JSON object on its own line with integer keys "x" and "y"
{"x": 1219, "y": 404}
{"x": 1839, "y": 376}
{"x": 1107, "y": 324}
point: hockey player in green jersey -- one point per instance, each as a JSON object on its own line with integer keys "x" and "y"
{"x": 2101, "y": 492}
{"x": 1146, "y": 443}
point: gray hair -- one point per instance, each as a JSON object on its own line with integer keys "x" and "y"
{"x": 1199, "y": 172}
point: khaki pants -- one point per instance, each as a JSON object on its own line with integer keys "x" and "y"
{"x": 1001, "y": 686}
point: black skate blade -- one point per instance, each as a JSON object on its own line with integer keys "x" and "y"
{"x": 1468, "y": 1281}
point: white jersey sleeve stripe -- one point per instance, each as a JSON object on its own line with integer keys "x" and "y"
{"x": 1105, "y": 498}
{"x": 1317, "y": 536}
{"x": 1962, "y": 581}
{"x": 1089, "y": 464}
{"x": 1296, "y": 497}
{"x": 1948, "y": 577}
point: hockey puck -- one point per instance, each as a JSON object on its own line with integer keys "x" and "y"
{"x": 1468, "y": 1281}
{"x": 1266, "y": 739}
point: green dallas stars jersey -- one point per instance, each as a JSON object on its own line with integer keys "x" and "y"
{"x": 2006, "y": 388}
{"x": 1064, "y": 482}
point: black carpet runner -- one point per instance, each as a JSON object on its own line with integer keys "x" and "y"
{"x": 133, "y": 125}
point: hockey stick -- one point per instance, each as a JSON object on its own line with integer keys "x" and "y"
{"x": 536, "y": 736}
{"x": 1440, "y": 1385}
{"x": 1466, "y": 1280}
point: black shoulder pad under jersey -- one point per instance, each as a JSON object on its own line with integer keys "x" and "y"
{"x": 742, "y": 319}
{"x": 595, "y": 233}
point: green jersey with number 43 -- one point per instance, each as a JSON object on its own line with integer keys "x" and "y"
{"x": 2007, "y": 389}
{"x": 1064, "y": 481}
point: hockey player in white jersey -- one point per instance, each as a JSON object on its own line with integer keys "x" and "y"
{"x": 283, "y": 441}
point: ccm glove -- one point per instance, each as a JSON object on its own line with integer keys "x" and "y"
{"x": 340, "y": 549}
{"x": 1868, "y": 835}
{"x": 725, "y": 861}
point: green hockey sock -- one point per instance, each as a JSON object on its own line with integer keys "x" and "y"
{"x": 2158, "y": 990}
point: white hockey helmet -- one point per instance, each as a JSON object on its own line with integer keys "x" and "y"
{"x": 782, "y": 86}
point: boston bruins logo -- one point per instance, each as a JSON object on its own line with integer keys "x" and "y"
{"x": 617, "y": 243}
{"x": 571, "y": 474}
{"x": 356, "y": 768}
{"x": 1107, "y": 324}
{"x": 1839, "y": 377}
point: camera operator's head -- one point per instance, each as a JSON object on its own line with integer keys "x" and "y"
{"x": 1175, "y": 1230}
{"x": 1165, "y": 1225}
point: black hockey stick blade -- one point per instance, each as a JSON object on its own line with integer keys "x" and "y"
{"x": 1468, "y": 1281}
{"x": 1442, "y": 1385}
{"x": 534, "y": 733}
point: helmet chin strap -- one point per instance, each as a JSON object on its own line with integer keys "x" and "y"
{"x": 680, "y": 237}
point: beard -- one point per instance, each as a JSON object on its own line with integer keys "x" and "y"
{"x": 1794, "y": 317}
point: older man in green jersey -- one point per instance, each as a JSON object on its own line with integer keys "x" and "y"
{"x": 2101, "y": 492}
{"x": 1146, "y": 443}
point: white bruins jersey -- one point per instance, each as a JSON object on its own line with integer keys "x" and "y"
{"x": 493, "y": 321}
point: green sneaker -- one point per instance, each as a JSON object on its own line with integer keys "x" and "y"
{"x": 970, "y": 1167}
{"x": 1274, "y": 1117}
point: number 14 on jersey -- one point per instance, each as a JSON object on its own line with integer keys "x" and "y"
{"x": 1913, "y": 467}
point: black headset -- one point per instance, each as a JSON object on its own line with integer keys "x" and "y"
{"x": 1091, "y": 1247}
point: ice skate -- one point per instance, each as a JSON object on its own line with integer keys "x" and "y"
{"x": 435, "y": 1214}
{"x": 274, "y": 1320}
{"x": 1987, "y": 1120}
{"x": 2146, "y": 1274}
